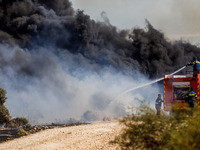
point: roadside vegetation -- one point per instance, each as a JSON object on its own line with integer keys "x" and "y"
{"x": 4, "y": 114}
{"x": 7, "y": 121}
{"x": 21, "y": 124}
{"x": 147, "y": 131}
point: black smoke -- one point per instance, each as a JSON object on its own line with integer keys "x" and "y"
{"x": 33, "y": 23}
{"x": 42, "y": 40}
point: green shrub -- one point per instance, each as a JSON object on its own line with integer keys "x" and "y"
{"x": 147, "y": 131}
{"x": 6, "y": 118}
{"x": 187, "y": 135}
{"x": 20, "y": 121}
{"x": 143, "y": 130}
{"x": 4, "y": 115}
{"x": 2, "y": 96}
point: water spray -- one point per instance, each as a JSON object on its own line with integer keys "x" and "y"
{"x": 146, "y": 84}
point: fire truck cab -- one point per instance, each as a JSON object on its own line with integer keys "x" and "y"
{"x": 176, "y": 87}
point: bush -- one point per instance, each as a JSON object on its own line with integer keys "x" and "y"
{"x": 4, "y": 114}
{"x": 142, "y": 130}
{"x": 187, "y": 136}
{"x": 20, "y": 121}
{"x": 22, "y": 132}
{"x": 2, "y": 96}
{"x": 145, "y": 130}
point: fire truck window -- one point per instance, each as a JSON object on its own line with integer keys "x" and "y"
{"x": 179, "y": 93}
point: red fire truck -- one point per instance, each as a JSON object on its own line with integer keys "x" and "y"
{"x": 176, "y": 87}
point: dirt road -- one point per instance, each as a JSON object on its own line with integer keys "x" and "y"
{"x": 93, "y": 136}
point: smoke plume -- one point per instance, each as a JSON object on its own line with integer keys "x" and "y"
{"x": 56, "y": 62}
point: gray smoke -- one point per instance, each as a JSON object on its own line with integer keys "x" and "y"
{"x": 56, "y": 62}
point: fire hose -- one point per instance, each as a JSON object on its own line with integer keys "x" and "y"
{"x": 149, "y": 83}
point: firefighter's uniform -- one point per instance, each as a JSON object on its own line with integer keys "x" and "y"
{"x": 158, "y": 104}
{"x": 195, "y": 64}
{"x": 191, "y": 98}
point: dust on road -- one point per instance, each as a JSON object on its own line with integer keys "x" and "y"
{"x": 93, "y": 136}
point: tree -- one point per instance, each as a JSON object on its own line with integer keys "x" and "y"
{"x": 4, "y": 113}
{"x": 2, "y": 96}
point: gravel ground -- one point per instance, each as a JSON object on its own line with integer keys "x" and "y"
{"x": 93, "y": 136}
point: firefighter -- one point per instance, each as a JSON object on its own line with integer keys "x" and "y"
{"x": 191, "y": 98}
{"x": 158, "y": 104}
{"x": 195, "y": 63}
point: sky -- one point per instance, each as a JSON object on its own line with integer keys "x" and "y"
{"x": 177, "y": 19}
